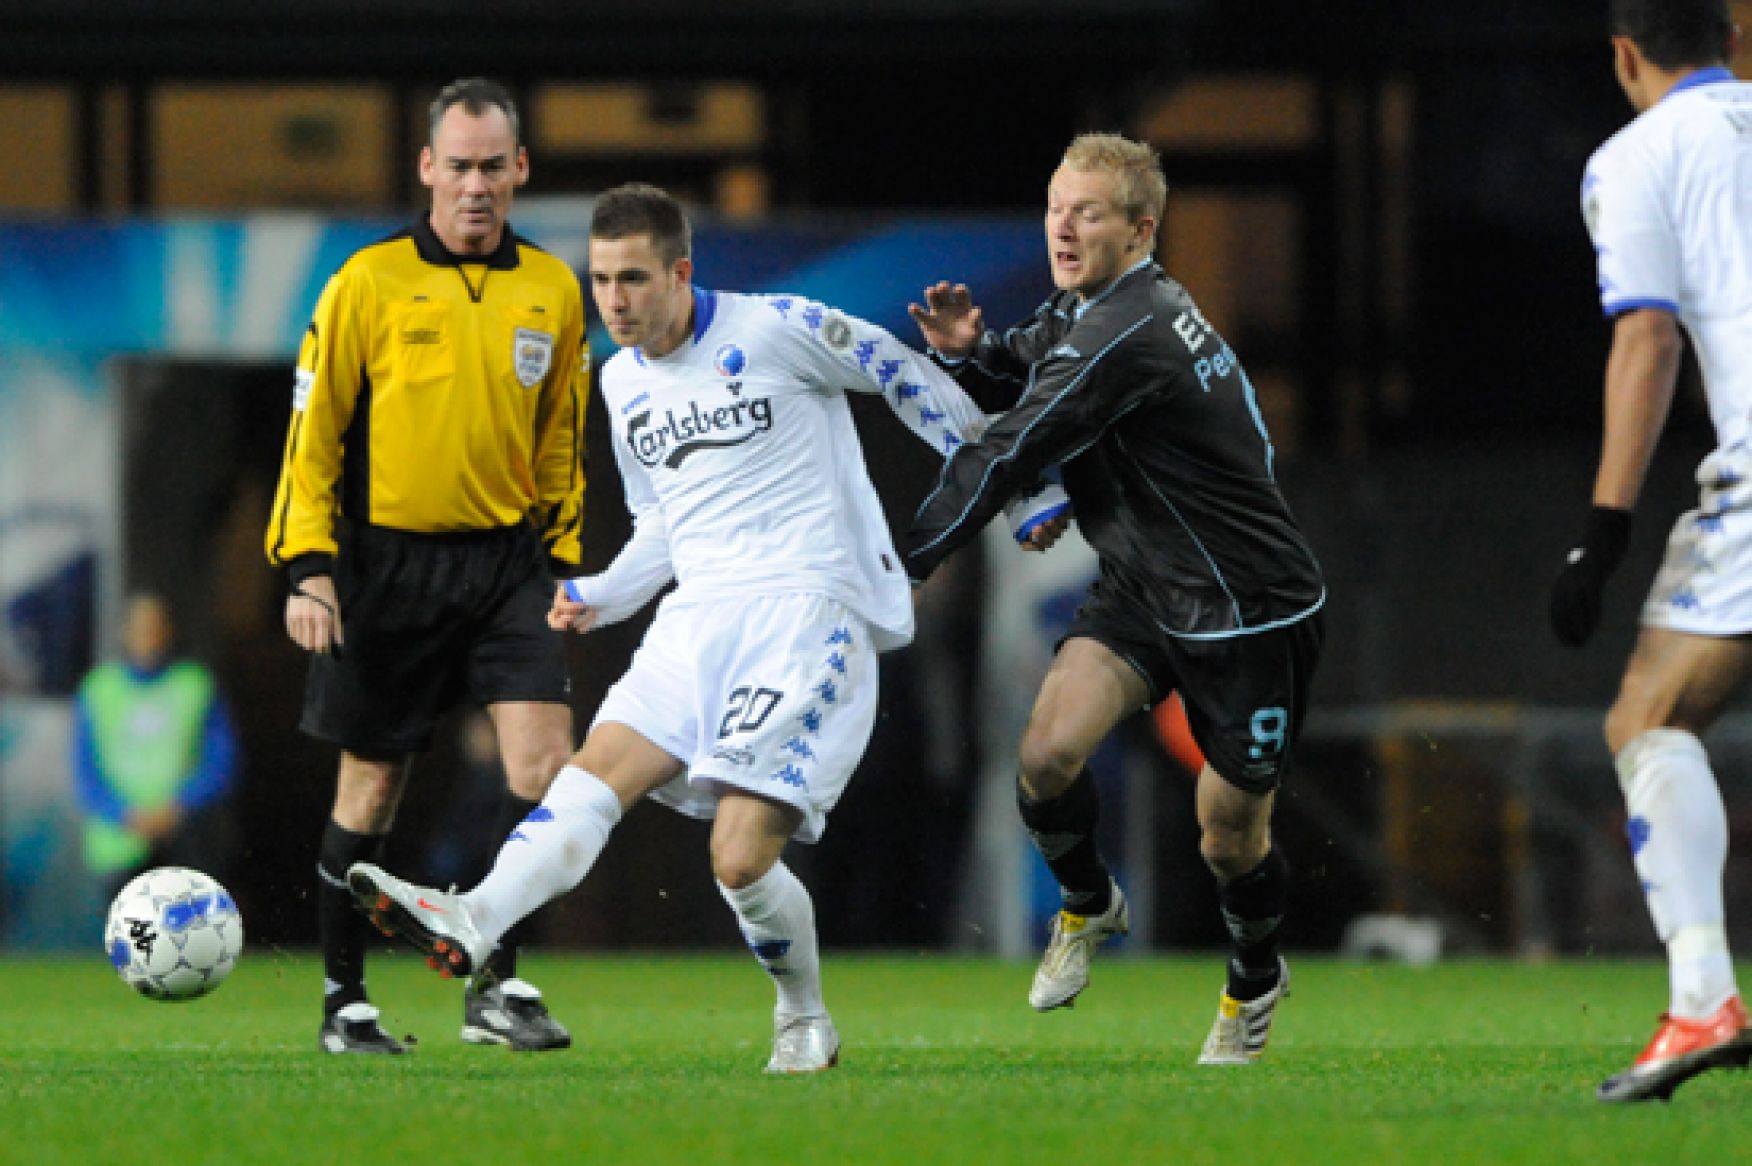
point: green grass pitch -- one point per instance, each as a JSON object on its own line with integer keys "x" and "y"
{"x": 943, "y": 1063}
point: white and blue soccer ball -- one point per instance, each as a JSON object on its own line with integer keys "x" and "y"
{"x": 173, "y": 933}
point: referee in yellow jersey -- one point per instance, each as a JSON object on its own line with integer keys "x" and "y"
{"x": 431, "y": 490}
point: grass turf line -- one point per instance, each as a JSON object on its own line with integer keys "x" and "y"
{"x": 944, "y": 1062}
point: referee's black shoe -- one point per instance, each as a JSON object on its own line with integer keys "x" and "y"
{"x": 353, "y": 1028}
{"x": 510, "y": 1012}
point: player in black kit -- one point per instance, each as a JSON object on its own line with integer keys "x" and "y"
{"x": 1206, "y": 585}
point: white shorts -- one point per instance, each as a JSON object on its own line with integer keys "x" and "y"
{"x": 773, "y": 695}
{"x": 1704, "y": 586}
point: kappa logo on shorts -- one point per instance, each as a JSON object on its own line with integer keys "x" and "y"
{"x": 733, "y": 756}
{"x": 532, "y": 353}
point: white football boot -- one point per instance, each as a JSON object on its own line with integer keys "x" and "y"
{"x": 434, "y": 921}
{"x": 803, "y": 1044}
{"x": 1064, "y": 969}
{"x": 1243, "y": 1026}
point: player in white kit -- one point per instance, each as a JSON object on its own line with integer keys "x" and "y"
{"x": 753, "y": 694}
{"x": 1668, "y": 201}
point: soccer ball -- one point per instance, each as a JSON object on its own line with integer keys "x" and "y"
{"x": 173, "y": 934}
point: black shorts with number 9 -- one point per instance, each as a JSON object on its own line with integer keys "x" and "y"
{"x": 429, "y": 620}
{"x": 1245, "y": 695}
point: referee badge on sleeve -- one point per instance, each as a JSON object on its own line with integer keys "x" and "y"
{"x": 532, "y": 354}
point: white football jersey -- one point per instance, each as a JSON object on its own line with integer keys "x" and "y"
{"x": 1668, "y": 202}
{"x": 742, "y": 467}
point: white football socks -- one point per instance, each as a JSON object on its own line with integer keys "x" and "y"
{"x": 548, "y": 854}
{"x": 778, "y": 921}
{"x": 1679, "y": 839}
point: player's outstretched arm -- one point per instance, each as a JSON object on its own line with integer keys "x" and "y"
{"x": 949, "y": 320}
{"x": 841, "y": 350}
{"x": 638, "y": 573}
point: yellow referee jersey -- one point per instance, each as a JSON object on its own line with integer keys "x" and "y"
{"x": 437, "y": 393}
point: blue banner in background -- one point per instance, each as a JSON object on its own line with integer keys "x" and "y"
{"x": 76, "y": 296}
{"x": 246, "y": 287}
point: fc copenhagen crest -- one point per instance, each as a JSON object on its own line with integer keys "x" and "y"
{"x": 532, "y": 354}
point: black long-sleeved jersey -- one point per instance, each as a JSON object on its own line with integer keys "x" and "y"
{"x": 1164, "y": 452}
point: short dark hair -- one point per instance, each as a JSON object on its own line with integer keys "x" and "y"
{"x": 1675, "y": 33}
{"x": 476, "y": 95}
{"x": 638, "y": 208}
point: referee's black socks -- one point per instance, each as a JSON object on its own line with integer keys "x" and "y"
{"x": 343, "y": 929}
{"x": 1063, "y": 828}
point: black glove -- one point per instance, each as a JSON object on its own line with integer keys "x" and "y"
{"x": 1575, "y": 598}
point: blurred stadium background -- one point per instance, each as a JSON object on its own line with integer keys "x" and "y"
{"x": 1376, "y": 201}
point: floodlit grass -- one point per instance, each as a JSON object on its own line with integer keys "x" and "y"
{"x": 944, "y": 1063}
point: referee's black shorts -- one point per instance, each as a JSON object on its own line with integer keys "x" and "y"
{"x": 1245, "y": 695}
{"x": 430, "y": 619}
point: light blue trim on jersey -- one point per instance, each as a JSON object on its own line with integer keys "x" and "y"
{"x": 1252, "y": 400}
{"x": 1619, "y": 307}
{"x": 1236, "y": 633}
{"x": 1713, "y": 75}
{"x": 1023, "y": 437}
{"x": 1085, "y": 305}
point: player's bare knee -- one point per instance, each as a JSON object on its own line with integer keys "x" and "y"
{"x": 1628, "y": 719}
{"x": 1232, "y": 846}
{"x": 367, "y": 792}
{"x": 1230, "y": 855}
{"x": 530, "y": 775}
{"x": 1047, "y": 767}
{"x": 737, "y": 866}
{"x": 1620, "y": 731}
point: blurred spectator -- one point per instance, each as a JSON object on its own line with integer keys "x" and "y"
{"x": 153, "y": 747}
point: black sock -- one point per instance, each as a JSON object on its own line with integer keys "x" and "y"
{"x": 1063, "y": 829}
{"x": 1253, "y": 907}
{"x": 502, "y": 964}
{"x": 343, "y": 928}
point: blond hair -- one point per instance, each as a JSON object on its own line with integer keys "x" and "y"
{"x": 1140, "y": 187}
